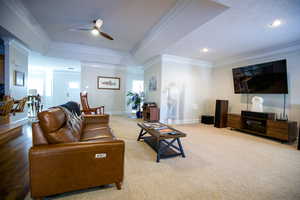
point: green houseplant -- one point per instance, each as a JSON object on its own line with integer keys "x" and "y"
{"x": 135, "y": 100}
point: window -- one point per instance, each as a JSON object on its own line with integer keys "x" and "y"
{"x": 73, "y": 85}
{"x": 137, "y": 86}
{"x": 36, "y": 83}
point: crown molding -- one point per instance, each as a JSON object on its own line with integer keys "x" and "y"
{"x": 260, "y": 54}
{"x": 187, "y": 61}
{"x": 175, "y": 25}
{"x": 19, "y": 45}
{"x": 134, "y": 70}
{"x": 17, "y": 7}
{"x": 159, "y": 27}
{"x": 86, "y": 54}
{"x": 152, "y": 61}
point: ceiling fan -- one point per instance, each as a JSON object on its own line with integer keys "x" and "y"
{"x": 94, "y": 28}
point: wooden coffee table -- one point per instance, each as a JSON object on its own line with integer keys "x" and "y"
{"x": 163, "y": 144}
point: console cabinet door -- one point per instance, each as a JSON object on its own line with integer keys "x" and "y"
{"x": 278, "y": 129}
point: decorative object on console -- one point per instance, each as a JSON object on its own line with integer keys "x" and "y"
{"x": 263, "y": 124}
{"x": 221, "y": 113}
{"x": 150, "y": 112}
{"x": 282, "y": 117}
{"x": 207, "y": 119}
{"x": 19, "y": 78}
{"x": 86, "y": 109}
{"x": 109, "y": 83}
{"x": 257, "y": 104}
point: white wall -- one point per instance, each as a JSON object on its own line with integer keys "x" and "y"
{"x": 153, "y": 69}
{"x": 183, "y": 88}
{"x": 185, "y": 94}
{"x": 223, "y": 87}
{"x": 16, "y": 59}
{"x": 113, "y": 100}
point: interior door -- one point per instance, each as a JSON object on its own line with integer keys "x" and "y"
{"x": 66, "y": 87}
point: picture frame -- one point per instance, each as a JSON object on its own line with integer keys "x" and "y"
{"x": 108, "y": 83}
{"x": 152, "y": 84}
{"x": 19, "y": 78}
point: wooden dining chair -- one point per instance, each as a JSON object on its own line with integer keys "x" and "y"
{"x": 86, "y": 109}
{"x": 6, "y": 108}
{"x": 20, "y": 106}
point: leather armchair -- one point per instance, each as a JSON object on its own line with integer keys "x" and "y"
{"x": 96, "y": 158}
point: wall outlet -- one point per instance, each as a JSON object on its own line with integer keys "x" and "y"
{"x": 100, "y": 155}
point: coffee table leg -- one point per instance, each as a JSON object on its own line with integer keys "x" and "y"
{"x": 180, "y": 147}
{"x": 140, "y": 135}
{"x": 158, "y": 151}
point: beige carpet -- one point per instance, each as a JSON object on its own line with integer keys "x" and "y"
{"x": 220, "y": 164}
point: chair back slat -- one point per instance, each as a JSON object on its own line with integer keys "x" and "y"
{"x": 84, "y": 102}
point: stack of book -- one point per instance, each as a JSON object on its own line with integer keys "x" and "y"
{"x": 162, "y": 129}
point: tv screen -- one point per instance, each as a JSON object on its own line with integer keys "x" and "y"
{"x": 265, "y": 78}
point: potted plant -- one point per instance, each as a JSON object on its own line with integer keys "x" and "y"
{"x": 135, "y": 100}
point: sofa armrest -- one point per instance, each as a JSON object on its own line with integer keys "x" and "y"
{"x": 59, "y": 168}
{"x": 96, "y": 119}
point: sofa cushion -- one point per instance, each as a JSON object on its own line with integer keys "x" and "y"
{"x": 91, "y": 132}
{"x": 51, "y": 120}
{"x": 62, "y": 135}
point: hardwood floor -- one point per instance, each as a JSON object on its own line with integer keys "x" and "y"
{"x": 14, "y": 181}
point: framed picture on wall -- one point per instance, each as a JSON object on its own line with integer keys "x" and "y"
{"x": 152, "y": 83}
{"x": 19, "y": 78}
{"x": 108, "y": 83}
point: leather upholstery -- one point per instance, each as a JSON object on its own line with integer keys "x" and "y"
{"x": 71, "y": 163}
{"x": 51, "y": 120}
{"x": 38, "y": 137}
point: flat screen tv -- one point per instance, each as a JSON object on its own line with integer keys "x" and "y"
{"x": 265, "y": 78}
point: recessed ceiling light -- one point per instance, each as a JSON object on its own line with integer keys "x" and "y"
{"x": 205, "y": 50}
{"x": 95, "y": 32}
{"x": 275, "y": 23}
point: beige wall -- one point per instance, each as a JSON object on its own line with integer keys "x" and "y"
{"x": 185, "y": 92}
{"x": 183, "y": 89}
{"x": 223, "y": 87}
{"x": 113, "y": 100}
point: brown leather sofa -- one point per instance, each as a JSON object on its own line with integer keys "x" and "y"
{"x": 61, "y": 161}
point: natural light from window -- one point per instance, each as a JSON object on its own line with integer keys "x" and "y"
{"x": 73, "y": 85}
{"x": 137, "y": 86}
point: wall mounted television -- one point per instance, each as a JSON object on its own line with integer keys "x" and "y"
{"x": 265, "y": 78}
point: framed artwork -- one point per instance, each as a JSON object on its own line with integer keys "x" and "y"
{"x": 108, "y": 83}
{"x": 152, "y": 84}
{"x": 19, "y": 78}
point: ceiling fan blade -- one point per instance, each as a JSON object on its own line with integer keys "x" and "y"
{"x": 106, "y": 35}
{"x": 83, "y": 29}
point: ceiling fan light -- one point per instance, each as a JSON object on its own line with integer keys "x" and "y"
{"x": 95, "y": 32}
